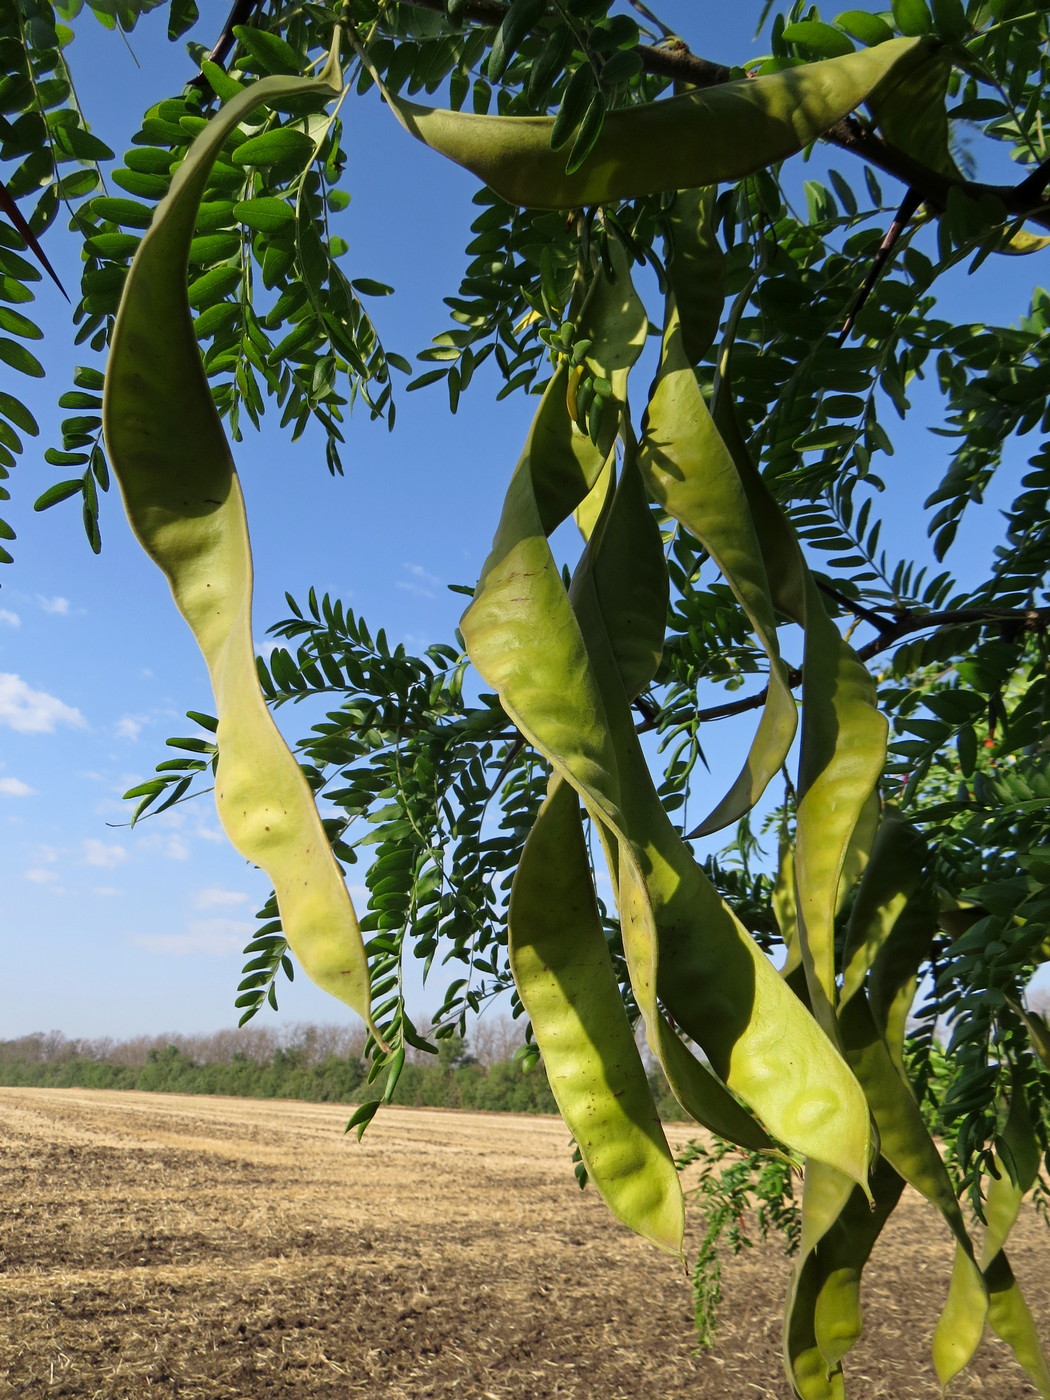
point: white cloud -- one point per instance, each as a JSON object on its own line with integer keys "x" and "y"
{"x": 41, "y": 877}
{"x": 53, "y": 605}
{"x": 107, "y": 891}
{"x": 419, "y": 572}
{"x": 175, "y": 848}
{"x": 31, "y": 711}
{"x": 423, "y": 584}
{"x": 9, "y": 619}
{"x": 211, "y": 833}
{"x": 217, "y": 938}
{"x": 215, "y": 899}
{"x": 14, "y": 787}
{"x": 97, "y": 853}
{"x": 129, "y": 727}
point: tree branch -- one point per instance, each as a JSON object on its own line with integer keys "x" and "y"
{"x": 1030, "y": 620}
{"x": 909, "y": 205}
{"x": 240, "y": 13}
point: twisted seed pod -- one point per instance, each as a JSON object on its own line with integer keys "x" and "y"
{"x": 1008, "y": 1313}
{"x": 843, "y": 747}
{"x": 183, "y": 500}
{"x": 567, "y": 984}
{"x": 689, "y": 471}
{"x": 554, "y": 664}
{"x": 702, "y": 137}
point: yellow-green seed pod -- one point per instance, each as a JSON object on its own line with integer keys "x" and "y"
{"x": 702, "y": 137}
{"x": 565, "y": 977}
{"x": 173, "y": 465}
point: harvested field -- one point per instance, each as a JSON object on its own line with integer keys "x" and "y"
{"x": 223, "y": 1249}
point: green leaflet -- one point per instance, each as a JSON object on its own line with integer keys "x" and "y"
{"x": 565, "y": 977}
{"x": 559, "y": 679}
{"x": 698, "y": 138}
{"x": 184, "y": 503}
{"x": 689, "y": 471}
{"x": 843, "y": 746}
{"x": 1007, "y": 1311}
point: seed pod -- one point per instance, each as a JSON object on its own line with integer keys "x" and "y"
{"x": 689, "y": 471}
{"x": 565, "y": 978}
{"x": 176, "y": 475}
{"x": 698, "y": 138}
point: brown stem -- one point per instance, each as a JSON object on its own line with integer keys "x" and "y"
{"x": 240, "y": 13}
{"x": 909, "y": 204}
{"x": 1029, "y": 620}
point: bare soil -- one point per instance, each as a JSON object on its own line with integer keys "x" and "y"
{"x": 184, "y": 1248}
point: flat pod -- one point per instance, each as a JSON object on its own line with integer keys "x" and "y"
{"x": 568, "y": 987}
{"x": 702, "y": 137}
{"x": 556, "y": 667}
{"x": 690, "y": 472}
{"x": 173, "y": 465}
{"x": 843, "y": 748}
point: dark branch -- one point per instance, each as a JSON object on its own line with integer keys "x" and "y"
{"x": 240, "y": 13}
{"x": 880, "y": 623}
{"x": 909, "y": 204}
{"x": 1031, "y": 620}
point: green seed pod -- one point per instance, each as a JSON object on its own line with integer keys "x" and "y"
{"x": 565, "y": 978}
{"x": 698, "y": 138}
{"x": 173, "y": 465}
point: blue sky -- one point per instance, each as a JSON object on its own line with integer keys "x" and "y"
{"x": 108, "y": 931}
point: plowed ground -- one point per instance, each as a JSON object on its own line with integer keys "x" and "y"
{"x": 223, "y": 1249}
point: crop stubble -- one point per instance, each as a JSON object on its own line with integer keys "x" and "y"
{"x": 211, "y": 1249}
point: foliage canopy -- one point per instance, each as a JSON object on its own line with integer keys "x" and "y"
{"x": 731, "y": 526}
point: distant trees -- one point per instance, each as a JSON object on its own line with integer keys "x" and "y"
{"x": 320, "y": 1064}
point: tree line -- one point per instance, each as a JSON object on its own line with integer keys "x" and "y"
{"x": 319, "y": 1064}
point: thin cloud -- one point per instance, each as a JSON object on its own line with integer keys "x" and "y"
{"x": 217, "y": 899}
{"x": 128, "y": 727}
{"x": 41, "y": 877}
{"x": 9, "y": 619}
{"x": 213, "y": 938}
{"x": 29, "y": 711}
{"x": 59, "y": 606}
{"x": 422, "y": 584}
{"x": 97, "y": 853}
{"x": 14, "y": 787}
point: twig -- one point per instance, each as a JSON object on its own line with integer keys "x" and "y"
{"x": 11, "y": 209}
{"x": 880, "y": 623}
{"x": 240, "y": 13}
{"x": 655, "y": 20}
{"x": 909, "y": 204}
{"x": 1031, "y": 620}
